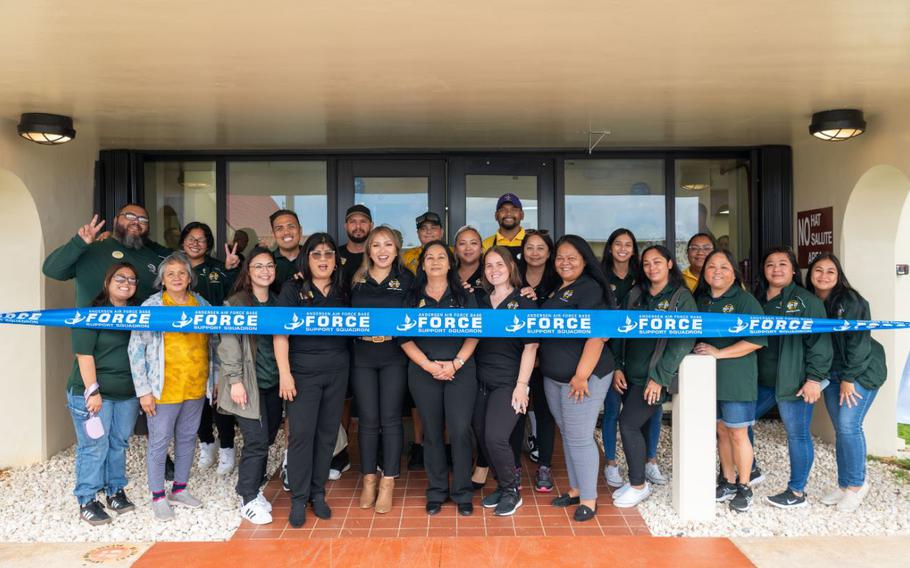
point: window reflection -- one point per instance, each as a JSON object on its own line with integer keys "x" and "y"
{"x": 395, "y": 201}
{"x": 177, "y": 193}
{"x": 483, "y": 192}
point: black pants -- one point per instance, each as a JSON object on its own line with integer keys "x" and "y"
{"x": 224, "y": 423}
{"x": 313, "y": 419}
{"x": 633, "y": 429}
{"x": 516, "y": 441}
{"x": 546, "y": 426}
{"x": 446, "y": 405}
{"x": 258, "y": 435}
{"x": 494, "y": 424}
{"x": 379, "y": 394}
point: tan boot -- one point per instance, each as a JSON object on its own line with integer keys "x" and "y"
{"x": 386, "y": 490}
{"x": 368, "y": 493}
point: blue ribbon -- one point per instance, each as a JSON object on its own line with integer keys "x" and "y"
{"x": 437, "y": 323}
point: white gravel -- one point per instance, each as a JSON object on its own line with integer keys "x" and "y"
{"x": 38, "y": 503}
{"x": 885, "y": 511}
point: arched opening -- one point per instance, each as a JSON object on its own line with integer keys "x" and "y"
{"x": 23, "y": 420}
{"x": 876, "y": 237}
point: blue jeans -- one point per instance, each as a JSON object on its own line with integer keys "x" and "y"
{"x": 101, "y": 463}
{"x": 850, "y": 441}
{"x": 611, "y": 419}
{"x": 797, "y": 416}
{"x": 767, "y": 398}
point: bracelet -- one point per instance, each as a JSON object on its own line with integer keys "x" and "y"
{"x": 460, "y": 360}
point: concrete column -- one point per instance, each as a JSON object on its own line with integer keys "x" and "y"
{"x": 694, "y": 439}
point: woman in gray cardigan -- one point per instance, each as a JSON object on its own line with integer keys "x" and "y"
{"x": 248, "y": 385}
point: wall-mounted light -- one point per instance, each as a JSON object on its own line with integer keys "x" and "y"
{"x": 695, "y": 186}
{"x": 48, "y": 129}
{"x": 837, "y": 125}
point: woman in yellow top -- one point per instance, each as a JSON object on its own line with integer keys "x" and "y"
{"x": 172, "y": 373}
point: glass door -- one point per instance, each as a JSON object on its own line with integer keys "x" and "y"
{"x": 396, "y": 191}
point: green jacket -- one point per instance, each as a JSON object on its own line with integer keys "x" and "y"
{"x": 88, "y": 263}
{"x": 799, "y": 357}
{"x": 633, "y": 356}
{"x": 857, "y": 357}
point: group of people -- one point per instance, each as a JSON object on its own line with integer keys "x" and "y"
{"x": 469, "y": 397}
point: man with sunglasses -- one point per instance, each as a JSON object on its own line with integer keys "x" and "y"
{"x": 86, "y": 257}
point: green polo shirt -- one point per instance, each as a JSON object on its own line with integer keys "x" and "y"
{"x": 88, "y": 263}
{"x": 112, "y": 364}
{"x": 266, "y": 367}
{"x": 737, "y": 379}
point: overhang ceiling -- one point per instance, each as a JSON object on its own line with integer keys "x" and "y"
{"x": 470, "y": 74}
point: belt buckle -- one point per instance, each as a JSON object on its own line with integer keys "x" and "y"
{"x": 377, "y": 339}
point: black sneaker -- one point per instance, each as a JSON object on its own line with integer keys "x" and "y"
{"x": 94, "y": 514}
{"x": 119, "y": 503}
{"x": 724, "y": 492}
{"x": 321, "y": 509}
{"x": 742, "y": 501}
{"x": 755, "y": 476}
{"x": 415, "y": 459}
{"x": 168, "y": 468}
{"x": 787, "y": 500}
{"x": 509, "y": 502}
{"x": 493, "y": 499}
{"x": 533, "y": 450}
{"x": 297, "y": 516}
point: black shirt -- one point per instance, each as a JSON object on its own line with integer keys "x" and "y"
{"x": 285, "y": 268}
{"x": 498, "y": 359}
{"x": 441, "y": 348}
{"x": 213, "y": 281}
{"x": 314, "y": 353}
{"x": 543, "y": 288}
{"x": 350, "y": 262}
{"x": 559, "y": 357}
{"x": 475, "y": 281}
{"x": 390, "y": 293}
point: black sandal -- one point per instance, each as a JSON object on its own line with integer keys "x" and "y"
{"x": 565, "y": 500}
{"x": 584, "y": 513}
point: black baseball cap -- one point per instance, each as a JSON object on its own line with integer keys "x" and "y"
{"x": 508, "y": 198}
{"x": 362, "y": 209}
{"x": 429, "y": 217}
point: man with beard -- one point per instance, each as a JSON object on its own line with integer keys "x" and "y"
{"x": 86, "y": 258}
{"x": 509, "y": 215}
{"x": 358, "y": 222}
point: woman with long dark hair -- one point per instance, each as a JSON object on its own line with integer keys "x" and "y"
{"x": 442, "y": 378}
{"x": 578, "y": 372}
{"x": 720, "y": 291}
{"x": 645, "y": 367}
{"x": 621, "y": 265}
{"x": 101, "y": 385}
{"x": 503, "y": 371}
{"x": 792, "y": 368}
{"x": 538, "y": 272}
{"x": 248, "y": 386}
{"x": 857, "y": 372}
{"x": 379, "y": 375}
{"x": 312, "y": 378}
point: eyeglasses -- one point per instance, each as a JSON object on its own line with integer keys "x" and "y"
{"x": 267, "y": 267}
{"x": 133, "y": 218}
{"x": 195, "y": 241}
{"x": 120, "y": 279}
{"x": 322, "y": 255}
{"x": 703, "y": 248}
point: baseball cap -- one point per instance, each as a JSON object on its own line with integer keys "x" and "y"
{"x": 429, "y": 217}
{"x": 362, "y": 209}
{"x": 508, "y": 198}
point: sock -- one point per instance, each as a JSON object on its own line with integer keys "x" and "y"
{"x": 157, "y": 495}
{"x": 178, "y": 487}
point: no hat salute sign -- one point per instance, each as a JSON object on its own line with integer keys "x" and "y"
{"x": 815, "y": 233}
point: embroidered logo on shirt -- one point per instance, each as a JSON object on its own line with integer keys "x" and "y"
{"x": 513, "y": 305}
{"x": 794, "y": 305}
{"x": 117, "y": 254}
{"x": 213, "y": 276}
{"x": 727, "y": 309}
{"x": 613, "y": 287}
{"x": 663, "y": 305}
{"x": 422, "y": 303}
{"x": 567, "y": 295}
{"x": 152, "y": 268}
{"x": 478, "y": 283}
{"x": 394, "y": 284}
{"x": 344, "y": 261}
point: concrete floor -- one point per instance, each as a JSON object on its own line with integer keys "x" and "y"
{"x": 835, "y": 551}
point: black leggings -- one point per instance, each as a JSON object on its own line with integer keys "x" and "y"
{"x": 546, "y": 426}
{"x": 516, "y": 440}
{"x": 494, "y": 425}
{"x": 258, "y": 435}
{"x": 224, "y": 423}
{"x": 633, "y": 429}
{"x": 379, "y": 394}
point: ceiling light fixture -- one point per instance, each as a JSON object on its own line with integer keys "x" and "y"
{"x": 837, "y": 125}
{"x": 47, "y": 129}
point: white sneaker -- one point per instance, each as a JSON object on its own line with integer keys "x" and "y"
{"x": 625, "y": 487}
{"x": 265, "y": 502}
{"x": 632, "y": 497}
{"x": 256, "y": 513}
{"x": 611, "y": 472}
{"x": 225, "y": 461}
{"x": 853, "y": 499}
{"x": 207, "y": 454}
{"x": 833, "y": 497}
{"x": 653, "y": 474}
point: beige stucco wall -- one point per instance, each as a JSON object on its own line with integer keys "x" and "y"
{"x": 826, "y": 174}
{"x": 43, "y": 190}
